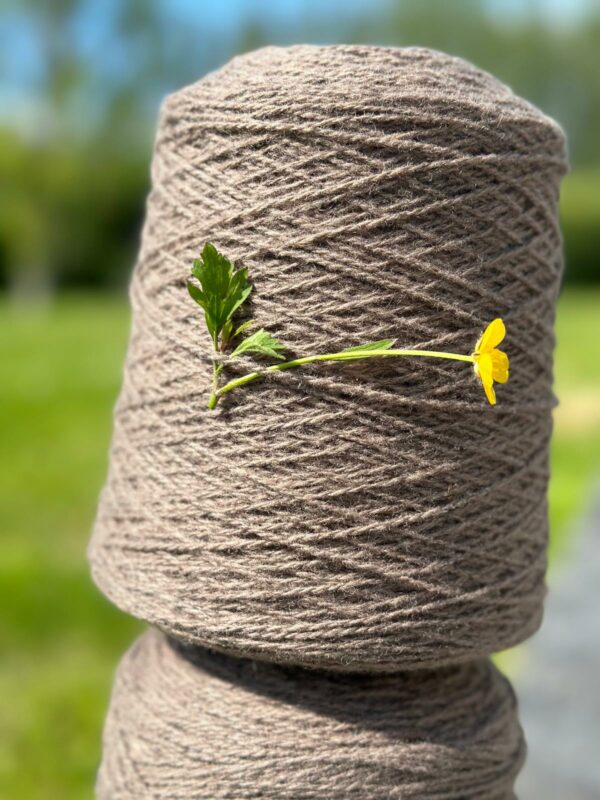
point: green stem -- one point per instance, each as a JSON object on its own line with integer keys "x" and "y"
{"x": 213, "y": 399}
{"x": 341, "y": 356}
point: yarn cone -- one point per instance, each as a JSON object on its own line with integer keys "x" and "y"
{"x": 375, "y": 517}
{"x": 196, "y": 724}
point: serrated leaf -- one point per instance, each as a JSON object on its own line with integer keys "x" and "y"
{"x": 382, "y": 344}
{"x": 239, "y": 291}
{"x": 222, "y": 289}
{"x": 261, "y": 343}
{"x": 196, "y": 294}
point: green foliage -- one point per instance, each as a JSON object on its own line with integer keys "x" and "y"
{"x": 580, "y": 220}
{"x": 223, "y": 292}
{"x": 261, "y": 343}
{"x": 69, "y": 213}
{"x": 382, "y": 344}
{"x": 243, "y": 327}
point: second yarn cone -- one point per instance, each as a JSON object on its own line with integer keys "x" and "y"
{"x": 193, "y": 725}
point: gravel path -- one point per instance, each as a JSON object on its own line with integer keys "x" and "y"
{"x": 559, "y": 683}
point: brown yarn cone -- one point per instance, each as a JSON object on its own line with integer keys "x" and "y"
{"x": 366, "y": 516}
{"x": 199, "y": 725}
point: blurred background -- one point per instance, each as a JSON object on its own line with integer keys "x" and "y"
{"x": 79, "y": 93}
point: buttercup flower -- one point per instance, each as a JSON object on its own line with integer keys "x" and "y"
{"x": 491, "y": 364}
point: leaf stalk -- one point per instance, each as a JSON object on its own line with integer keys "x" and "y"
{"x": 354, "y": 355}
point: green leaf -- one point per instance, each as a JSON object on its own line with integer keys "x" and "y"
{"x": 196, "y": 294}
{"x": 223, "y": 289}
{"x": 261, "y": 343}
{"x": 383, "y": 344}
{"x": 243, "y": 327}
{"x": 226, "y": 333}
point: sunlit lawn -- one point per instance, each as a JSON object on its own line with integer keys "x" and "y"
{"x": 576, "y": 444}
{"x": 60, "y": 640}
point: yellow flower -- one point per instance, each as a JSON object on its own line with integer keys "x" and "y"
{"x": 491, "y": 364}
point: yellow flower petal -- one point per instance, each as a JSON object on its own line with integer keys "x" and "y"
{"x": 491, "y": 337}
{"x": 488, "y": 387}
{"x": 484, "y": 368}
{"x": 499, "y": 366}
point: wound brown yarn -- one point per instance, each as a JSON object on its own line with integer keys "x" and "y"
{"x": 367, "y": 516}
{"x": 210, "y": 726}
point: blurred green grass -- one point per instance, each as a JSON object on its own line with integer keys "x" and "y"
{"x": 61, "y": 639}
{"x": 576, "y": 441}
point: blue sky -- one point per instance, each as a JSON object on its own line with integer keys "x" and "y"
{"x": 21, "y": 64}
{"x": 227, "y": 13}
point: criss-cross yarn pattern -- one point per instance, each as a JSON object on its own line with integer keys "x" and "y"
{"x": 375, "y": 515}
{"x": 200, "y": 725}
